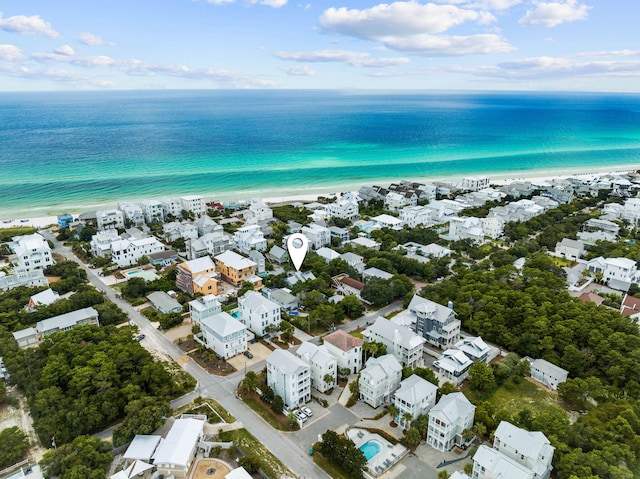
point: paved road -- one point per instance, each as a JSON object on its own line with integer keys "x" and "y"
{"x": 222, "y": 389}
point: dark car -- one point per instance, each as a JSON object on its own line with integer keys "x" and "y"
{"x": 139, "y": 337}
{"x": 248, "y": 354}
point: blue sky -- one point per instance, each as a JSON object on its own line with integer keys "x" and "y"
{"x": 582, "y": 45}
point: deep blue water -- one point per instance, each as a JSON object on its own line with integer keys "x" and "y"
{"x": 59, "y": 150}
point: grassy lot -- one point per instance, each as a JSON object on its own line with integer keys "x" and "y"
{"x": 270, "y": 464}
{"x": 7, "y": 233}
{"x": 356, "y": 334}
{"x": 327, "y": 466}
{"x": 212, "y": 409}
{"x": 264, "y": 411}
{"x": 516, "y": 396}
{"x": 562, "y": 262}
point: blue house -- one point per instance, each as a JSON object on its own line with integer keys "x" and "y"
{"x": 64, "y": 220}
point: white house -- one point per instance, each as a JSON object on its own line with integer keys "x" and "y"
{"x": 132, "y": 213}
{"x": 289, "y": 377}
{"x": 179, "y": 229}
{"x": 127, "y": 252}
{"x": 32, "y": 252}
{"x": 248, "y": 238}
{"x": 204, "y": 307}
{"x": 22, "y": 277}
{"x": 171, "y": 207}
{"x": 415, "y": 396}
{"x": 379, "y": 379}
{"x": 193, "y": 203}
{"x": 164, "y": 303}
{"x": 257, "y": 212}
{"x": 395, "y": 201}
{"x": 176, "y": 453}
{"x": 364, "y": 242}
{"x": 371, "y": 273}
{"x": 414, "y": 216}
{"x": 387, "y": 221}
{"x": 346, "y": 349}
{"x": 224, "y": 334}
{"x": 530, "y": 449}
{"x": 547, "y": 373}
{"x": 56, "y": 324}
{"x": 101, "y": 242}
{"x": 404, "y": 344}
{"x": 354, "y": 260}
{"x": 436, "y": 323}
{"x": 448, "y": 420}
{"x": 109, "y": 219}
{"x": 322, "y": 365}
{"x": 493, "y": 226}
{"x": 474, "y": 348}
{"x": 43, "y": 298}
{"x": 570, "y": 249}
{"x": 258, "y": 313}
{"x": 212, "y": 244}
{"x": 453, "y": 366}
{"x": 619, "y": 273}
{"x": 466, "y": 227}
{"x": 153, "y": 211}
{"x": 317, "y": 235}
{"x": 327, "y": 254}
{"x": 475, "y": 183}
{"x": 489, "y": 463}
{"x": 346, "y": 208}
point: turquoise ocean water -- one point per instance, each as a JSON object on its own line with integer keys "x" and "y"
{"x": 77, "y": 151}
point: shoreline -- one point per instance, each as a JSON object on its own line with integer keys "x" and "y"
{"x": 27, "y": 218}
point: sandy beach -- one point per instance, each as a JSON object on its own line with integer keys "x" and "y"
{"x": 45, "y": 221}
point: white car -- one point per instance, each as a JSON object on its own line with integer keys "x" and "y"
{"x": 300, "y": 415}
{"x": 307, "y": 411}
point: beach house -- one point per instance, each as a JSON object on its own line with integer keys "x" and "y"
{"x": 109, "y": 219}
{"x": 222, "y": 333}
{"x": 379, "y": 379}
{"x": 547, "y": 373}
{"x": 324, "y": 366}
{"x": 234, "y": 269}
{"x": 436, "y": 323}
{"x": 346, "y": 349}
{"x": 127, "y": 252}
{"x": 415, "y": 397}
{"x": 448, "y": 420}
{"x": 195, "y": 204}
{"x": 177, "y": 451}
{"x": 405, "y": 345}
{"x": 152, "y": 211}
{"x": 258, "y": 313}
{"x": 249, "y": 238}
{"x": 32, "y": 252}
{"x": 453, "y": 366}
{"x": 289, "y": 377}
{"x": 197, "y": 275}
{"x": 133, "y": 214}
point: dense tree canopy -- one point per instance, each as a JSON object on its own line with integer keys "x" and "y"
{"x": 80, "y": 381}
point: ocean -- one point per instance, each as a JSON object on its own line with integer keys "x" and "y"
{"x": 79, "y": 151}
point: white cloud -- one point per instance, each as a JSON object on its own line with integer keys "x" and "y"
{"x": 545, "y": 67}
{"x": 413, "y": 27}
{"x": 398, "y": 19}
{"x": 93, "y": 40}
{"x": 10, "y": 53}
{"x": 551, "y": 14}
{"x": 357, "y": 59}
{"x": 613, "y": 53}
{"x": 301, "y": 70}
{"x": 433, "y": 45}
{"x": 23, "y": 25}
{"x": 65, "y": 50}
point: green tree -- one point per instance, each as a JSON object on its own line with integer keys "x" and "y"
{"x": 251, "y": 381}
{"x": 286, "y": 331}
{"x": 13, "y": 446}
{"x": 244, "y": 287}
{"x": 250, "y": 464}
{"x": 329, "y": 380}
{"x": 374, "y": 349}
{"x": 412, "y": 438}
{"x": 277, "y": 405}
{"x": 352, "y": 306}
{"x": 85, "y": 457}
{"x": 143, "y": 416}
{"x": 481, "y": 377}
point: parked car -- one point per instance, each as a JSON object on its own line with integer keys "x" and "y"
{"x": 306, "y": 410}
{"x": 300, "y": 415}
{"x": 248, "y": 354}
{"x": 139, "y": 337}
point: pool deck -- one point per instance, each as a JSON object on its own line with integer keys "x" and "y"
{"x": 388, "y": 456}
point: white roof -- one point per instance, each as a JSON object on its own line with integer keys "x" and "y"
{"x": 255, "y": 302}
{"x": 223, "y": 324}
{"x": 452, "y": 406}
{"x": 382, "y": 367}
{"x": 377, "y": 273}
{"x": 199, "y": 264}
{"x": 548, "y": 368}
{"x": 66, "y": 320}
{"x": 474, "y": 346}
{"x": 48, "y": 296}
{"x": 366, "y": 242}
{"x": 177, "y": 447}
{"x": 425, "y": 306}
{"x": 532, "y": 444}
{"x": 316, "y": 354}
{"x": 327, "y": 253}
{"x": 414, "y": 389}
{"x": 453, "y": 360}
{"x": 235, "y": 261}
{"x": 238, "y": 473}
{"x": 395, "y": 333}
{"x": 286, "y": 362}
{"x": 142, "y": 447}
{"x": 387, "y": 219}
{"x": 625, "y": 263}
{"x": 137, "y": 467}
{"x": 499, "y": 465}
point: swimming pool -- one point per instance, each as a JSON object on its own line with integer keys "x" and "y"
{"x": 371, "y": 448}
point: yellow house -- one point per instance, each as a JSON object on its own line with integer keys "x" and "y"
{"x": 206, "y": 283}
{"x": 197, "y": 276}
{"x": 234, "y": 269}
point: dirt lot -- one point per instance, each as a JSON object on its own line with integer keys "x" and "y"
{"x": 10, "y": 416}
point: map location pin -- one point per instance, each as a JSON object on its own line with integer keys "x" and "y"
{"x": 297, "y": 246}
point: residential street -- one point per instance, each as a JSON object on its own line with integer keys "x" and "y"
{"x": 222, "y": 389}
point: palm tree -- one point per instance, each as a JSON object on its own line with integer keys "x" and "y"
{"x": 407, "y": 417}
{"x": 393, "y": 412}
{"x": 329, "y": 379}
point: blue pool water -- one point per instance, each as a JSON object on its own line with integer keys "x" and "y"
{"x": 370, "y": 448}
